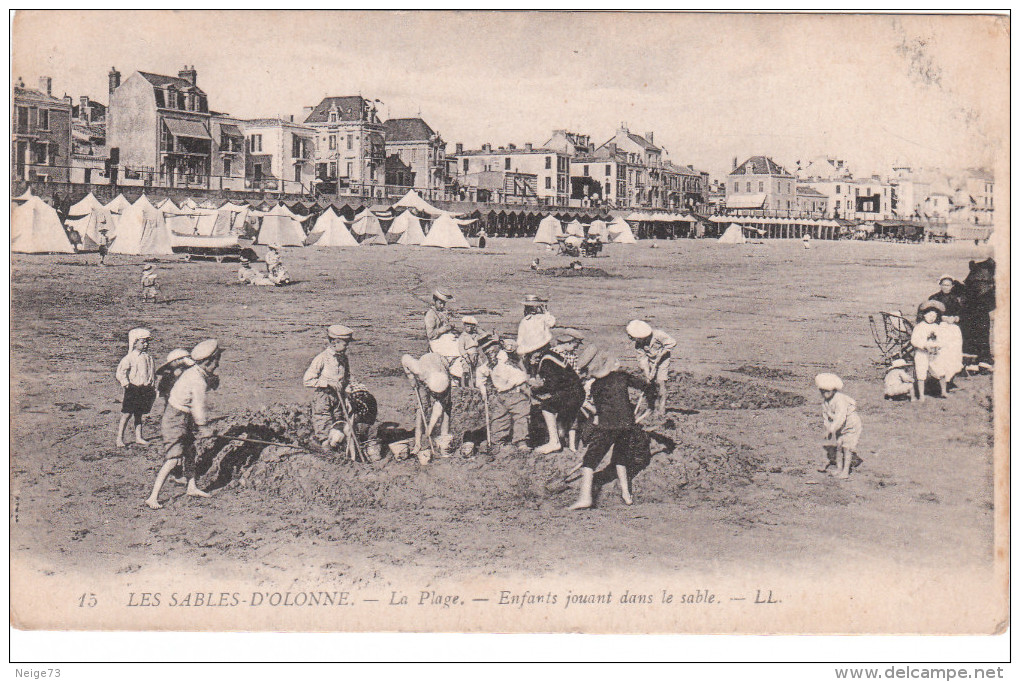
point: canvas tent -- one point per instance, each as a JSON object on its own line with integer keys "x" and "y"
{"x": 600, "y": 229}
{"x": 87, "y": 218}
{"x": 406, "y": 229}
{"x": 367, "y": 230}
{"x": 620, "y": 232}
{"x": 118, "y": 204}
{"x": 142, "y": 230}
{"x": 445, "y": 233}
{"x": 280, "y": 227}
{"x": 734, "y": 234}
{"x": 331, "y": 230}
{"x": 35, "y": 228}
{"x": 548, "y": 230}
{"x": 575, "y": 228}
{"x": 413, "y": 200}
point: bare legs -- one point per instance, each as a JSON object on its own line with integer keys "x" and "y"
{"x": 552, "y": 427}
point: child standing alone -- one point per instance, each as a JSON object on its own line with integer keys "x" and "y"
{"x": 136, "y": 373}
{"x": 150, "y": 283}
{"x": 842, "y": 425}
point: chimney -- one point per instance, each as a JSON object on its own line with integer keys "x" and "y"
{"x": 487, "y": 147}
{"x": 189, "y": 74}
{"x": 512, "y": 147}
{"x": 292, "y": 118}
{"x": 734, "y": 163}
{"x": 46, "y": 85}
{"x": 68, "y": 100}
{"x": 306, "y": 112}
{"x": 460, "y": 148}
{"x": 650, "y": 137}
{"x": 528, "y": 147}
{"x": 114, "y": 79}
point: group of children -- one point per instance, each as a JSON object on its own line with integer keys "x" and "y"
{"x": 182, "y": 382}
{"x": 276, "y": 273}
{"x": 937, "y": 345}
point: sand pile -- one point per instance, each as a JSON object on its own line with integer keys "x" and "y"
{"x": 687, "y": 391}
{"x": 574, "y": 272}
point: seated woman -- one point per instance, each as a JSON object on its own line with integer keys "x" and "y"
{"x": 950, "y": 294}
{"x": 938, "y": 352}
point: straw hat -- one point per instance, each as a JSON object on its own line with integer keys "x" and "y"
{"x": 932, "y": 304}
{"x": 828, "y": 382}
{"x": 442, "y": 295}
{"x": 173, "y": 356}
{"x": 898, "y": 362}
{"x": 533, "y": 301}
{"x": 205, "y": 350}
{"x": 469, "y": 319}
{"x": 638, "y": 329}
{"x": 587, "y": 357}
{"x": 532, "y": 339}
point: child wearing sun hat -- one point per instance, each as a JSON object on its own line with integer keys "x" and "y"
{"x": 842, "y": 424}
{"x": 899, "y": 383}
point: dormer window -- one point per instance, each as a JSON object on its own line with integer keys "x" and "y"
{"x": 332, "y": 116}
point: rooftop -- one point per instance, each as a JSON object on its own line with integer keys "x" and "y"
{"x": 348, "y": 108}
{"x": 760, "y": 165}
{"x": 408, "y": 130}
{"x": 39, "y": 95}
{"x": 162, "y": 81}
{"x": 272, "y": 122}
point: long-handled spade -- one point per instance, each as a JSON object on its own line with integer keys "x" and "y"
{"x": 354, "y": 449}
{"x": 424, "y": 421}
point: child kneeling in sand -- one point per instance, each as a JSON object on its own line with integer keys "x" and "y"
{"x": 899, "y": 384}
{"x": 842, "y": 425}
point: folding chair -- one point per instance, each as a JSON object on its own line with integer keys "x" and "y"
{"x": 892, "y": 336}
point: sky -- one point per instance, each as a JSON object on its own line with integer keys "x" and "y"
{"x": 873, "y": 90}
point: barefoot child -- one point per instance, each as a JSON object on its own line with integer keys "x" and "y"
{"x": 616, "y": 427}
{"x": 504, "y": 387}
{"x": 655, "y": 348}
{"x": 898, "y": 382}
{"x": 150, "y": 283}
{"x": 136, "y": 373}
{"x": 186, "y": 417}
{"x": 329, "y": 374}
{"x": 842, "y": 425}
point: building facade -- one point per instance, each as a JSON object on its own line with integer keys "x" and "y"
{"x": 350, "y": 145}
{"x": 551, "y": 169}
{"x": 89, "y": 152}
{"x": 643, "y": 183}
{"x": 571, "y": 144}
{"x": 41, "y": 134}
{"x": 760, "y": 186}
{"x": 161, "y": 132}
{"x": 811, "y": 203}
{"x": 422, "y": 149}
{"x": 280, "y": 155}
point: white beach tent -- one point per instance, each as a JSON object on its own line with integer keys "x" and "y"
{"x": 548, "y": 230}
{"x": 238, "y": 215}
{"x": 575, "y": 228}
{"x": 600, "y": 229}
{"x": 36, "y": 228}
{"x": 88, "y": 217}
{"x": 414, "y": 200}
{"x": 406, "y": 228}
{"x": 331, "y": 230}
{"x": 280, "y": 227}
{"x": 367, "y": 229}
{"x": 620, "y": 232}
{"x": 142, "y": 230}
{"x": 734, "y": 234}
{"x": 118, "y": 204}
{"x": 445, "y": 233}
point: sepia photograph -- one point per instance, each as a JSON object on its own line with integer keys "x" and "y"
{"x": 509, "y": 322}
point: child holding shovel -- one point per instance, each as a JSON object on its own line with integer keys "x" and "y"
{"x": 430, "y": 380}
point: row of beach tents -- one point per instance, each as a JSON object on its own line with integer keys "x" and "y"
{"x": 144, "y": 227}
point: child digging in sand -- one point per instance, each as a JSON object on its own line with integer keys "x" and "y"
{"x": 136, "y": 373}
{"x": 842, "y": 425}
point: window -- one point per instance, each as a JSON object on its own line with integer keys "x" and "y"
{"x": 466, "y": 162}
{"x": 44, "y": 119}
{"x": 295, "y": 146}
{"x": 761, "y": 185}
{"x": 857, "y": 191}
{"x": 226, "y": 167}
{"x": 332, "y": 169}
{"x": 258, "y": 171}
{"x": 350, "y": 141}
{"x": 332, "y": 141}
{"x": 332, "y": 117}
{"x": 297, "y": 173}
{"x": 350, "y": 169}
{"x": 586, "y": 170}
{"x": 609, "y": 188}
{"x": 748, "y": 186}
{"x": 609, "y": 171}
{"x": 548, "y": 164}
{"x": 736, "y": 186}
{"x": 506, "y": 163}
{"x": 256, "y": 143}
{"x": 838, "y": 189}
{"x": 548, "y": 183}
{"x": 22, "y": 126}
{"x": 837, "y": 204}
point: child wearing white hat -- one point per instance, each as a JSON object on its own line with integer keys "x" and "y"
{"x": 186, "y": 418}
{"x": 136, "y": 373}
{"x": 655, "y": 349}
{"x": 899, "y": 384}
{"x": 150, "y": 283}
{"x": 430, "y": 379}
{"x": 329, "y": 374}
{"x": 842, "y": 424}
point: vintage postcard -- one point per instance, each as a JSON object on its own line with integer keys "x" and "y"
{"x": 509, "y": 322}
